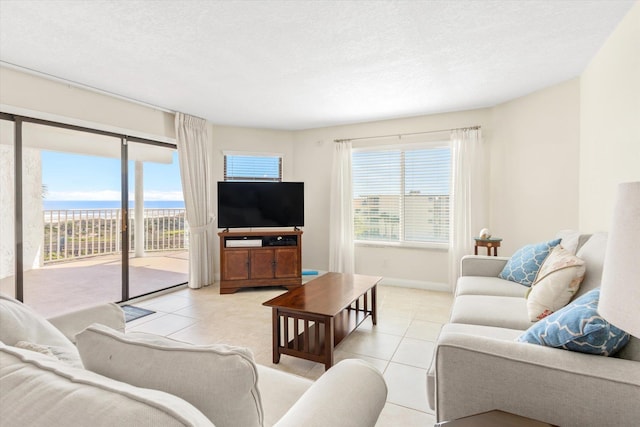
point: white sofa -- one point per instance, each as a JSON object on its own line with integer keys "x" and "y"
{"x": 42, "y": 390}
{"x": 478, "y": 366}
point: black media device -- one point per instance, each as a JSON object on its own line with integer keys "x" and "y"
{"x": 260, "y": 204}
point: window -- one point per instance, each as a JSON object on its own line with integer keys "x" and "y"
{"x": 252, "y": 167}
{"x": 401, "y": 193}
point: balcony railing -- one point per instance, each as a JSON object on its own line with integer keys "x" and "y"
{"x": 81, "y": 233}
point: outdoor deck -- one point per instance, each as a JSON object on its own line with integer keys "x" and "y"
{"x": 65, "y": 286}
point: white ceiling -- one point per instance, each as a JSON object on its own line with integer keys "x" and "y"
{"x": 306, "y": 64}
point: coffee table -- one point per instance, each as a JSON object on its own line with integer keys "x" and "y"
{"x": 310, "y": 321}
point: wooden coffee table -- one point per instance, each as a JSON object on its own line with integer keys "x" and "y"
{"x": 309, "y": 321}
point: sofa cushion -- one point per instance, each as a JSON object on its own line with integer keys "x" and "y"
{"x": 631, "y": 351}
{"x": 592, "y": 252}
{"x": 499, "y": 311}
{"x": 480, "y": 285}
{"x": 558, "y": 280}
{"x": 524, "y": 264}
{"x": 38, "y": 390}
{"x": 19, "y": 322}
{"x": 475, "y": 330}
{"x": 279, "y": 391}
{"x": 578, "y": 327}
{"x": 219, "y": 380}
{"x": 569, "y": 239}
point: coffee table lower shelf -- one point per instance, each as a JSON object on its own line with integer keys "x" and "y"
{"x": 305, "y": 334}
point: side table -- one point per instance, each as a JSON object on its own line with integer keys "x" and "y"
{"x": 493, "y": 242}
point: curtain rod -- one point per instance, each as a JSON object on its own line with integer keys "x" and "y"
{"x": 400, "y": 135}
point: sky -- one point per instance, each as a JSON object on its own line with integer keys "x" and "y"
{"x": 70, "y": 176}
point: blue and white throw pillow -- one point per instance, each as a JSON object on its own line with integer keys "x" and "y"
{"x": 523, "y": 266}
{"x": 578, "y": 327}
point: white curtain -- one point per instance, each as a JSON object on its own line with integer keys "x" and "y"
{"x": 341, "y": 258}
{"x": 468, "y": 201}
{"x": 192, "y": 139}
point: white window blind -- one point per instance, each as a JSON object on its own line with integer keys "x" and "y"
{"x": 240, "y": 167}
{"x": 401, "y": 194}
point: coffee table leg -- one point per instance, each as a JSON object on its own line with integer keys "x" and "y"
{"x": 276, "y": 335}
{"x": 374, "y": 305}
{"x": 328, "y": 343}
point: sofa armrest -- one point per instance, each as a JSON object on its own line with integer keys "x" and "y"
{"x": 72, "y": 323}
{"x": 480, "y": 265}
{"x": 478, "y": 374}
{"x": 350, "y": 394}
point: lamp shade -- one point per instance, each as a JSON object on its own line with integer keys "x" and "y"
{"x": 620, "y": 289}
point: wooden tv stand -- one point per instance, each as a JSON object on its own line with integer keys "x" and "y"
{"x": 260, "y": 258}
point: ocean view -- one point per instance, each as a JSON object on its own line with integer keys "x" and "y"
{"x": 108, "y": 204}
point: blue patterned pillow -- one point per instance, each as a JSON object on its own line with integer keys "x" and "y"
{"x": 523, "y": 266}
{"x": 578, "y": 327}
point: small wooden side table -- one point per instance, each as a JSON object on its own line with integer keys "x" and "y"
{"x": 488, "y": 243}
{"x": 494, "y": 418}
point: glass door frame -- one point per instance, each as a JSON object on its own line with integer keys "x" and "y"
{"x": 18, "y": 120}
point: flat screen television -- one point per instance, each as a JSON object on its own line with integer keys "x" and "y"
{"x": 260, "y": 204}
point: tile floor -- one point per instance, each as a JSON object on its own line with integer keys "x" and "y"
{"x": 400, "y": 345}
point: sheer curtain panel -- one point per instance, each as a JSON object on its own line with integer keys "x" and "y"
{"x": 192, "y": 139}
{"x": 468, "y": 209}
{"x": 341, "y": 257}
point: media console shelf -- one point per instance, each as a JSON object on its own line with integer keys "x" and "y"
{"x": 260, "y": 258}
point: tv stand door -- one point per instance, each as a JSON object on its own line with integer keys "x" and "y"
{"x": 235, "y": 265}
{"x": 262, "y": 264}
{"x": 286, "y": 262}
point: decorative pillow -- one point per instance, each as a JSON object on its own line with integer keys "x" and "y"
{"x": 523, "y": 265}
{"x": 578, "y": 327}
{"x": 38, "y": 390}
{"x": 19, "y": 322}
{"x": 569, "y": 239}
{"x": 219, "y": 380}
{"x": 558, "y": 280}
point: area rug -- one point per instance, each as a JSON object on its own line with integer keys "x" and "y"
{"x": 133, "y": 313}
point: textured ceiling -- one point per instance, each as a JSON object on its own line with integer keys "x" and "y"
{"x": 306, "y": 64}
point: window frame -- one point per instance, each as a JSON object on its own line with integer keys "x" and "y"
{"x": 401, "y": 243}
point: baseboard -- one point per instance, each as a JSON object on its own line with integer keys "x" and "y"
{"x": 416, "y": 284}
{"x": 155, "y": 294}
{"x": 390, "y": 281}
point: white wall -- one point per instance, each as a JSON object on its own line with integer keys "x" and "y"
{"x": 228, "y": 138}
{"x": 313, "y": 152}
{"x": 33, "y": 229}
{"x": 610, "y": 122}
{"x": 533, "y": 154}
{"x": 535, "y": 166}
{"x": 58, "y": 101}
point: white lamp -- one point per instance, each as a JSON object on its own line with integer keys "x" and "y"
{"x": 620, "y": 289}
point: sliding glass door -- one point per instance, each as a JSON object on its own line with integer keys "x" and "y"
{"x": 72, "y": 216}
{"x": 99, "y": 217}
{"x": 7, "y": 212}
{"x": 158, "y": 256}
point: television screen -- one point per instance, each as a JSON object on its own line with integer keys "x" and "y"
{"x": 260, "y": 204}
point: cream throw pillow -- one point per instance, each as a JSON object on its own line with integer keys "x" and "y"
{"x": 558, "y": 280}
{"x": 19, "y": 322}
{"x": 220, "y": 380}
{"x": 37, "y": 390}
